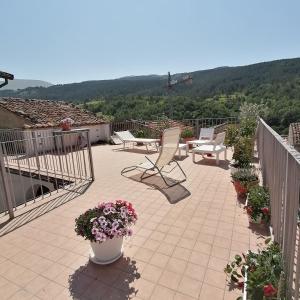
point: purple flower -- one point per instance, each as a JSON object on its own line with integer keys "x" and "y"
{"x": 101, "y": 237}
{"x": 95, "y": 231}
{"x": 115, "y": 224}
{"x": 129, "y": 232}
{"x": 106, "y": 210}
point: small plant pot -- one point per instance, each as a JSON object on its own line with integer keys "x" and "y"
{"x": 188, "y": 140}
{"x": 66, "y": 127}
{"x": 106, "y": 252}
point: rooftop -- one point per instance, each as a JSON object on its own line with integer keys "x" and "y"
{"x": 183, "y": 238}
{"x": 46, "y": 113}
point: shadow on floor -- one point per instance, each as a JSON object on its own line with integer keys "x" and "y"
{"x": 136, "y": 150}
{"x": 224, "y": 164}
{"x": 40, "y": 208}
{"x": 174, "y": 194}
{"x": 114, "y": 281}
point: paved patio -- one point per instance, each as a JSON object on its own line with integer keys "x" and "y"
{"x": 184, "y": 237}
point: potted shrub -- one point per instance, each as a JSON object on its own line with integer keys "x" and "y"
{"x": 260, "y": 274}
{"x": 232, "y": 134}
{"x": 105, "y": 226}
{"x": 187, "y": 135}
{"x": 257, "y": 205}
{"x": 243, "y": 179}
{"x": 243, "y": 153}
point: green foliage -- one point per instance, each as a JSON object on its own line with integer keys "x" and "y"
{"x": 232, "y": 134}
{"x": 243, "y": 152}
{"x": 249, "y": 114}
{"x": 187, "y": 133}
{"x": 273, "y": 86}
{"x": 247, "y": 177}
{"x": 258, "y": 203}
{"x": 264, "y": 271}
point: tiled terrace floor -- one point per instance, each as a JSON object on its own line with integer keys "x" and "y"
{"x": 184, "y": 237}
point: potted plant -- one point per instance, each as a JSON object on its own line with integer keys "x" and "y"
{"x": 243, "y": 153}
{"x": 243, "y": 179}
{"x": 259, "y": 274}
{"x": 187, "y": 135}
{"x": 66, "y": 124}
{"x": 105, "y": 226}
{"x": 257, "y": 205}
{"x": 232, "y": 134}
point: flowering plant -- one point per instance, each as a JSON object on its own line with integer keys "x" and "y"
{"x": 106, "y": 221}
{"x": 265, "y": 277}
{"x": 66, "y": 123}
{"x": 258, "y": 203}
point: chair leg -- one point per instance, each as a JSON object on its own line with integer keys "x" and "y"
{"x": 187, "y": 150}
{"x": 179, "y": 153}
{"x": 225, "y": 154}
{"x": 217, "y": 159}
{"x": 147, "y": 147}
{"x": 194, "y": 157}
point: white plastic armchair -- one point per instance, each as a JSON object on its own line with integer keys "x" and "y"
{"x": 205, "y": 137}
{"x": 216, "y": 148}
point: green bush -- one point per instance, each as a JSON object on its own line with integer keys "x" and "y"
{"x": 232, "y": 134}
{"x": 187, "y": 133}
{"x": 258, "y": 203}
{"x": 243, "y": 152}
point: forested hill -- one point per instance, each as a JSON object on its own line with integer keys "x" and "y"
{"x": 214, "y": 93}
{"x": 207, "y": 83}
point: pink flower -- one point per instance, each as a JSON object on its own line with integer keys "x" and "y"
{"x": 101, "y": 237}
{"x": 269, "y": 290}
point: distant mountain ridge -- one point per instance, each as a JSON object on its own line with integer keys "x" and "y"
{"x": 17, "y": 84}
{"x": 206, "y": 83}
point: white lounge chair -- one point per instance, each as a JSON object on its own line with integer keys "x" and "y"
{"x": 205, "y": 137}
{"x": 127, "y": 137}
{"x": 170, "y": 142}
{"x": 216, "y": 148}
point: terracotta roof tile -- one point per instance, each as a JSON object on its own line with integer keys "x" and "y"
{"x": 46, "y": 113}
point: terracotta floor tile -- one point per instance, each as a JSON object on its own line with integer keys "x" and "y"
{"x": 217, "y": 264}
{"x": 152, "y": 273}
{"x": 170, "y": 279}
{"x": 176, "y": 265}
{"x": 166, "y": 249}
{"x": 144, "y": 288}
{"x": 8, "y": 290}
{"x": 182, "y": 253}
{"x": 144, "y": 254}
{"x": 161, "y": 292}
{"x": 220, "y": 252}
{"x": 180, "y": 296}
{"x": 211, "y": 292}
{"x": 203, "y": 247}
{"x": 159, "y": 260}
{"x": 195, "y": 271}
{"x": 199, "y": 258}
{"x": 215, "y": 278}
{"x": 190, "y": 287}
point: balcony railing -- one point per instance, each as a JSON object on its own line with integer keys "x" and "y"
{"x": 280, "y": 165}
{"x": 32, "y": 168}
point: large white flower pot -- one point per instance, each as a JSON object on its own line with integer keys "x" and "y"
{"x": 106, "y": 252}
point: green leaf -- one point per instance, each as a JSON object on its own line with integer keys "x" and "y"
{"x": 267, "y": 241}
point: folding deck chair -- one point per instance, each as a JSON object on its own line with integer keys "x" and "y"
{"x": 170, "y": 142}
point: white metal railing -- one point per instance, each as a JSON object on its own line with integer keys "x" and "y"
{"x": 36, "y": 167}
{"x": 195, "y": 124}
{"x": 280, "y": 165}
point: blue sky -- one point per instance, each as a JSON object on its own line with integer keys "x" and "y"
{"x": 70, "y": 41}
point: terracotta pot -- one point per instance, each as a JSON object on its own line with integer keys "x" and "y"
{"x": 106, "y": 252}
{"x": 240, "y": 189}
{"x": 188, "y": 140}
{"x": 66, "y": 126}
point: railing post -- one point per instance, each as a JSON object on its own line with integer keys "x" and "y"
{"x": 34, "y": 143}
{"x": 90, "y": 155}
{"x": 5, "y": 185}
